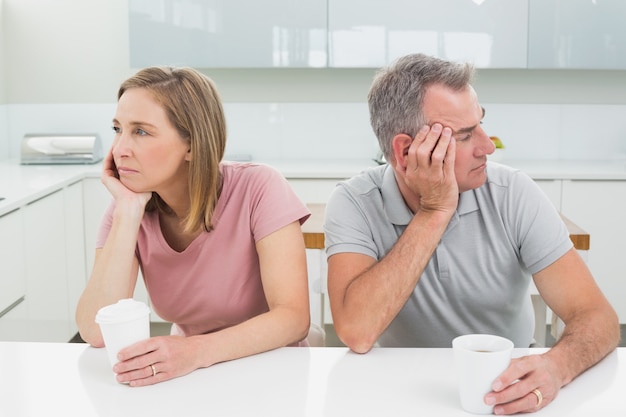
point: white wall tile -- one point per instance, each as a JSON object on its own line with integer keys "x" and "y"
{"x": 342, "y": 131}
{"x": 58, "y": 118}
{"x": 255, "y": 129}
{"x": 593, "y": 132}
{"x": 300, "y": 130}
{"x": 4, "y": 131}
{"x": 528, "y": 131}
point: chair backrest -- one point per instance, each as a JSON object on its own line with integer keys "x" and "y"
{"x": 317, "y": 336}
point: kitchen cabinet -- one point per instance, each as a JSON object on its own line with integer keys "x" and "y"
{"x": 580, "y": 34}
{"x": 373, "y": 33}
{"x": 320, "y": 33}
{"x": 46, "y": 268}
{"x": 47, "y": 258}
{"x": 228, "y": 33}
{"x": 314, "y": 190}
{"x": 75, "y": 247}
{"x": 12, "y": 279}
{"x": 552, "y": 189}
{"x": 96, "y": 200}
{"x": 598, "y": 206}
{"x": 14, "y": 325}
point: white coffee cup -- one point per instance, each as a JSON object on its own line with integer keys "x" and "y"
{"x": 479, "y": 360}
{"x": 123, "y": 324}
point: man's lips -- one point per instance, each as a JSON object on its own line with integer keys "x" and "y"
{"x": 481, "y": 166}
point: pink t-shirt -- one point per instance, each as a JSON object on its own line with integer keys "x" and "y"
{"x": 216, "y": 282}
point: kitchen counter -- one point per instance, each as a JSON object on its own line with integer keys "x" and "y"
{"x": 571, "y": 169}
{"x": 75, "y": 379}
{"x": 21, "y": 184}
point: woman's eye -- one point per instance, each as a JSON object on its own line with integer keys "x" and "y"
{"x": 141, "y": 132}
{"x": 116, "y": 129}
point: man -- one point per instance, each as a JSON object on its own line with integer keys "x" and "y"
{"x": 440, "y": 243}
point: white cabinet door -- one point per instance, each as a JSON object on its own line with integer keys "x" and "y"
{"x": 581, "y": 34}
{"x": 96, "y": 199}
{"x": 372, "y": 33}
{"x": 552, "y": 188}
{"x": 14, "y": 325}
{"x": 598, "y": 207}
{"x": 313, "y": 190}
{"x": 46, "y": 270}
{"x": 228, "y": 33}
{"x": 12, "y": 277}
{"x": 75, "y": 246}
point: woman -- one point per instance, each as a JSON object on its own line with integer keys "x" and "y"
{"x": 219, "y": 243}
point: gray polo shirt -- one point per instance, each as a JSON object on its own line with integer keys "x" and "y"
{"x": 477, "y": 281}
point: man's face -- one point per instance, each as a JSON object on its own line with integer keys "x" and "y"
{"x": 460, "y": 111}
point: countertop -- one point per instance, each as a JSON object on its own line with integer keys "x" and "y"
{"x": 21, "y": 184}
{"x": 76, "y": 380}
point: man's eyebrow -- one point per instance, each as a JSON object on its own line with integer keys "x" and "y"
{"x": 469, "y": 128}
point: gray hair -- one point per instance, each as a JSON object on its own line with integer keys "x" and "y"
{"x": 396, "y": 97}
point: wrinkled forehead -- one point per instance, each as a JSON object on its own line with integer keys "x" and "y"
{"x": 457, "y": 109}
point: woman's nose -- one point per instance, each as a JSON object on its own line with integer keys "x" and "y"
{"x": 120, "y": 145}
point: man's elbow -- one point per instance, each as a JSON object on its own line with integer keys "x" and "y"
{"x": 356, "y": 341}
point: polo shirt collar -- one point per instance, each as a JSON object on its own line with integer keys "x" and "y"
{"x": 397, "y": 210}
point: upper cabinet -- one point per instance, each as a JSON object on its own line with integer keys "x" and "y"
{"x": 228, "y": 33}
{"x": 583, "y": 34}
{"x": 372, "y": 33}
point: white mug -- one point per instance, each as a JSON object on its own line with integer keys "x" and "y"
{"x": 479, "y": 359}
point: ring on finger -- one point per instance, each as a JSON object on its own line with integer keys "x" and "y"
{"x": 538, "y": 395}
{"x": 154, "y": 372}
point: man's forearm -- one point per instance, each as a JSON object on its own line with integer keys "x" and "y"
{"x": 373, "y": 299}
{"x": 587, "y": 338}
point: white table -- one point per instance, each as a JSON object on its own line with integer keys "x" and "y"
{"x": 40, "y": 379}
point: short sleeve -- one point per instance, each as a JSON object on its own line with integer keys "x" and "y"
{"x": 346, "y": 227}
{"x": 540, "y": 233}
{"x": 274, "y": 204}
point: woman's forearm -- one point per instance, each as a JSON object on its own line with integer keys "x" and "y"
{"x": 113, "y": 277}
{"x": 276, "y": 328}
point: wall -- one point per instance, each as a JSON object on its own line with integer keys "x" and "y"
{"x": 4, "y": 143}
{"x": 77, "y": 54}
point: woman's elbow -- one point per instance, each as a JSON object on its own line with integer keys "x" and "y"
{"x": 95, "y": 341}
{"x": 91, "y": 335}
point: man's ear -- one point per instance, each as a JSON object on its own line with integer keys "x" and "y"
{"x": 400, "y": 145}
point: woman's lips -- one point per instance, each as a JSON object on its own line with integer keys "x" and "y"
{"x": 125, "y": 170}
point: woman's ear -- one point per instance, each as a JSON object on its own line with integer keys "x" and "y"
{"x": 188, "y": 155}
{"x": 400, "y": 145}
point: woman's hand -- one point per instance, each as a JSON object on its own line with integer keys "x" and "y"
{"x": 110, "y": 179}
{"x": 156, "y": 359}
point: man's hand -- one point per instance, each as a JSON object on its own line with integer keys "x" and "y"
{"x": 429, "y": 171}
{"x": 513, "y": 389}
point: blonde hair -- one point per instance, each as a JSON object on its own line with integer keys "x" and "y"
{"x": 194, "y": 108}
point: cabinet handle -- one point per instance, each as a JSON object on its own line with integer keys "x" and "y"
{"x": 12, "y": 306}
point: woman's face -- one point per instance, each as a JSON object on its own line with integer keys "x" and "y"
{"x": 149, "y": 153}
